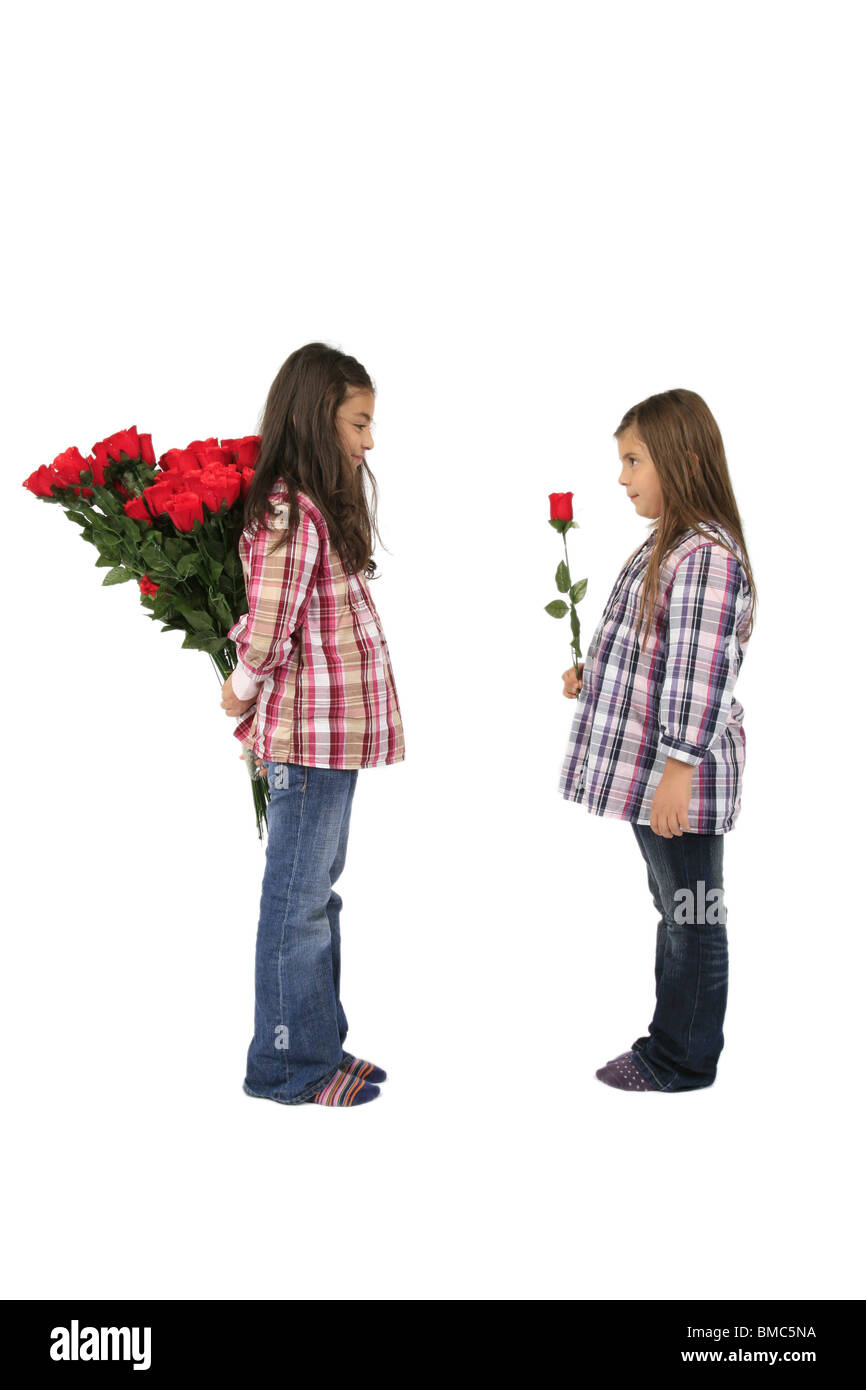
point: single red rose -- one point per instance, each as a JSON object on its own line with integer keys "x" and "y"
{"x": 137, "y": 510}
{"x": 224, "y": 483}
{"x": 176, "y": 460}
{"x": 101, "y": 455}
{"x": 124, "y": 441}
{"x": 105, "y": 452}
{"x": 210, "y": 455}
{"x": 185, "y": 508}
{"x": 39, "y": 482}
{"x": 560, "y": 506}
{"x": 246, "y": 450}
{"x": 69, "y": 465}
{"x": 146, "y": 449}
{"x": 198, "y": 446}
{"x": 67, "y": 469}
{"x": 98, "y": 470}
{"x": 166, "y": 485}
{"x": 247, "y": 475}
{"x": 147, "y": 586}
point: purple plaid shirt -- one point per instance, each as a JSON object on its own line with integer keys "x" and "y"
{"x": 676, "y": 699}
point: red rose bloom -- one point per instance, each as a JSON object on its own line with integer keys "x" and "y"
{"x": 137, "y": 510}
{"x": 124, "y": 442}
{"x": 67, "y": 469}
{"x": 147, "y": 586}
{"x": 176, "y": 460}
{"x": 560, "y": 506}
{"x": 39, "y": 482}
{"x": 210, "y": 455}
{"x": 245, "y": 451}
{"x": 165, "y": 486}
{"x": 185, "y": 508}
{"x": 220, "y": 484}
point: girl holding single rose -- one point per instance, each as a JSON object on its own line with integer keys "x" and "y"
{"x": 657, "y": 737}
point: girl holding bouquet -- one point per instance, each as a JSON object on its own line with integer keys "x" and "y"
{"x": 657, "y": 737}
{"x": 315, "y": 691}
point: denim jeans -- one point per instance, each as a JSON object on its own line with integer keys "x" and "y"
{"x": 691, "y": 967}
{"x": 300, "y": 1025}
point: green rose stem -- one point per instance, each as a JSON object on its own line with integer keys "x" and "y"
{"x": 558, "y": 608}
{"x": 575, "y": 621}
{"x": 224, "y": 664}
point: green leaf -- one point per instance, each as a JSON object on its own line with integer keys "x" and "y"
{"x": 117, "y": 576}
{"x": 223, "y": 612}
{"x": 131, "y": 529}
{"x": 214, "y": 547}
{"x": 188, "y": 565}
{"x": 577, "y": 591}
{"x": 556, "y": 609}
{"x": 575, "y": 628}
{"x": 199, "y": 643}
{"x": 198, "y": 618}
{"x": 562, "y": 577}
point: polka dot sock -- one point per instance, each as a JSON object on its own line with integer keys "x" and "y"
{"x": 622, "y": 1073}
{"x": 356, "y": 1066}
{"x": 344, "y": 1089}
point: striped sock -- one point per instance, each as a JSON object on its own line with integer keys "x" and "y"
{"x": 623, "y": 1074}
{"x": 343, "y": 1089}
{"x": 356, "y": 1066}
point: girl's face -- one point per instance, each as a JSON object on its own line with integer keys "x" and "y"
{"x": 354, "y": 419}
{"x": 638, "y": 476}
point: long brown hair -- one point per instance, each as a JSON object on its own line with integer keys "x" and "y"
{"x": 300, "y": 445}
{"x": 686, "y": 448}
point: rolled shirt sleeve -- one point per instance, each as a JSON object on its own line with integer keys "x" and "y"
{"x": 244, "y": 686}
{"x": 702, "y": 658}
{"x": 279, "y": 586}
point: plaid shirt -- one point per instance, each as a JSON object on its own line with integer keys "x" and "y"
{"x": 312, "y": 645}
{"x": 635, "y": 710}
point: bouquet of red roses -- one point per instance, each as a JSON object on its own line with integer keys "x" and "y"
{"x": 174, "y": 526}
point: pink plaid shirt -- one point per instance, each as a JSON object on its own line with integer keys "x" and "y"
{"x": 313, "y": 648}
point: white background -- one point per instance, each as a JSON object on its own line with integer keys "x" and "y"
{"x": 522, "y": 219}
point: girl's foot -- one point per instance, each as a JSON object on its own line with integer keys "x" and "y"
{"x": 344, "y": 1089}
{"x": 356, "y": 1066}
{"x": 623, "y": 1074}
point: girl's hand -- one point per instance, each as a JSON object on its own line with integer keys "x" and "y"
{"x": 261, "y": 770}
{"x": 230, "y": 702}
{"x": 573, "y": 682}
{"x": 669, "y": 813}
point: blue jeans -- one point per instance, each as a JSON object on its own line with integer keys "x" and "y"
{"x": 300, "y": 1025}
{"x": 685, "y": 1037}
